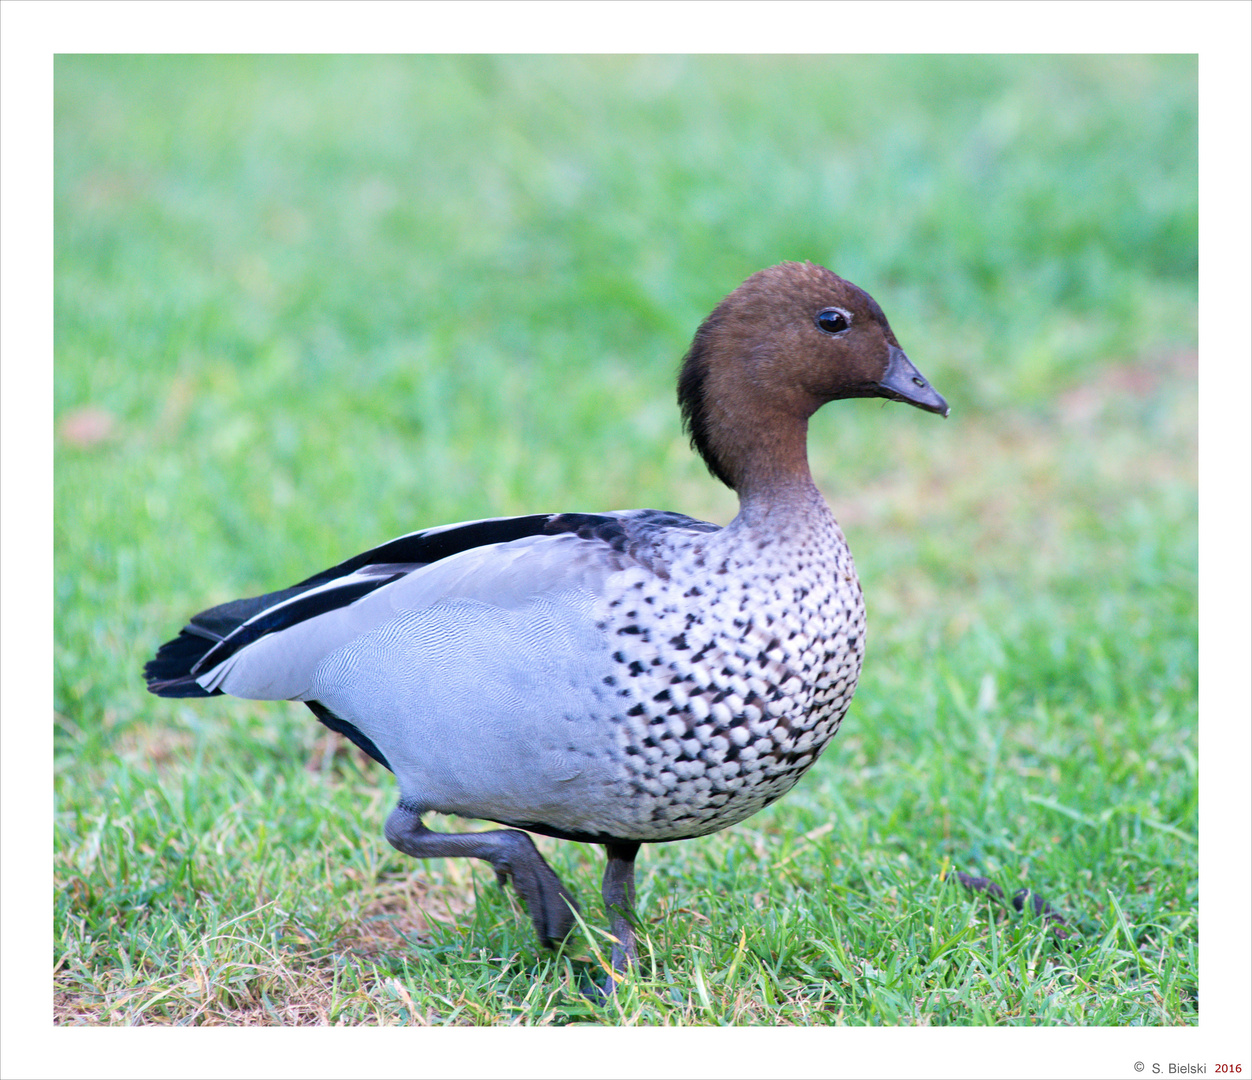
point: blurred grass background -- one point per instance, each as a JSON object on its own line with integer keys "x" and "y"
{"x": 304, "y": 304}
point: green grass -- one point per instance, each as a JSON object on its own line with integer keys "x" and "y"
{"x": 306, "y": 304}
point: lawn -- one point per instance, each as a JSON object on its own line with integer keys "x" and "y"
{"x": 306, "y": 304}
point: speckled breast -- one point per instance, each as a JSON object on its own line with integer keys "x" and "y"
{"x": 734, "y": 666}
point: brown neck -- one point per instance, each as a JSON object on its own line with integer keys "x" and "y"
{"x": 749, "y": 416}
{"x": 767, "y": 459}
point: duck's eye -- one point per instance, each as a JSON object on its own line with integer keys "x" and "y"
{"x": 833, "y": 320}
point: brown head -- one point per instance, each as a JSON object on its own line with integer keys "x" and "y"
{"x": 788, "y": 340}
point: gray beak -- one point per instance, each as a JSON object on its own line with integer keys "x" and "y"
{"x": 903, "y": 382}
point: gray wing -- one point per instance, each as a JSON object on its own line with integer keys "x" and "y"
{"x": 478, "y": 679}
{"x": 492, "y": 582}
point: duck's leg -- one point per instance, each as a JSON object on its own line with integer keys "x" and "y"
{"x": 512, "y": 854}
{"x": 619, "y": 902}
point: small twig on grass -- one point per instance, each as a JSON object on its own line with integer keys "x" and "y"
{"x": 1053, "y": 918}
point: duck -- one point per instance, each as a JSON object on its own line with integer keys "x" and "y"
{"x": 614, "y": 678}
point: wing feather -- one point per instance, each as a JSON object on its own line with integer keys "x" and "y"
{"x": 266, "y": 646}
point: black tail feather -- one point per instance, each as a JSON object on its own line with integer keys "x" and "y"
{"x": 169, "y": 672}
